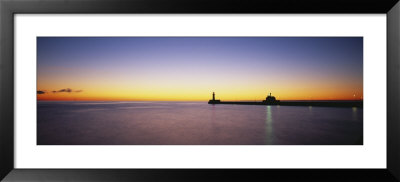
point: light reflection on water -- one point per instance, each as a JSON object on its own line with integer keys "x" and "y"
{"x": 195, "y": 123}
{"x": 354, "y": 113}
{"x": 269, "y": 128}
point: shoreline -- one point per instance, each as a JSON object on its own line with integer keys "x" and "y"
{"x": 358, "y": 104}
{"x": 320, "y": 103}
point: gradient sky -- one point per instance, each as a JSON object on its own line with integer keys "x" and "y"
{"x": 191, "y": 68}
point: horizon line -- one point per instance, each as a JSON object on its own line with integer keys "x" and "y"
{"x": 200, "y": 100}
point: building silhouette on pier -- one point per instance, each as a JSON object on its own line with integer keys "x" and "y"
{"x": 271, "y": 100}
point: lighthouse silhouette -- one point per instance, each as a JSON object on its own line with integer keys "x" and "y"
{"x": 213, "y": 101}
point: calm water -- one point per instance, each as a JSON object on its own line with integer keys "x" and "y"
{"x": 195, "y": 123}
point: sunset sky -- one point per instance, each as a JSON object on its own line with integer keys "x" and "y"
{"x": 191, "y": 68}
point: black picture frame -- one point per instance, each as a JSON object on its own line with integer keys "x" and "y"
{"x": 8, "y": 8}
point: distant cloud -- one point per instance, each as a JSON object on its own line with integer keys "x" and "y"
{"x": 65, "y": 90}
{"x": 68, "y": 90}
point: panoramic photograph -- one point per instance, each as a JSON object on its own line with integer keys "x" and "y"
{"x": 199, "y": 91}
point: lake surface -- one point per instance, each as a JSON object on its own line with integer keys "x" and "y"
{"x": 194, "y": 123}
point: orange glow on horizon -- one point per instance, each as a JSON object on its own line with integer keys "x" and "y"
{"x": 102, "y": 88}
{"x": 203, "y": 95}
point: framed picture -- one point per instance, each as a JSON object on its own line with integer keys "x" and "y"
{"x": 202, "y": 90}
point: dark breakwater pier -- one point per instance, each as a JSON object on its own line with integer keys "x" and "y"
{"x": 270, "y": 100}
